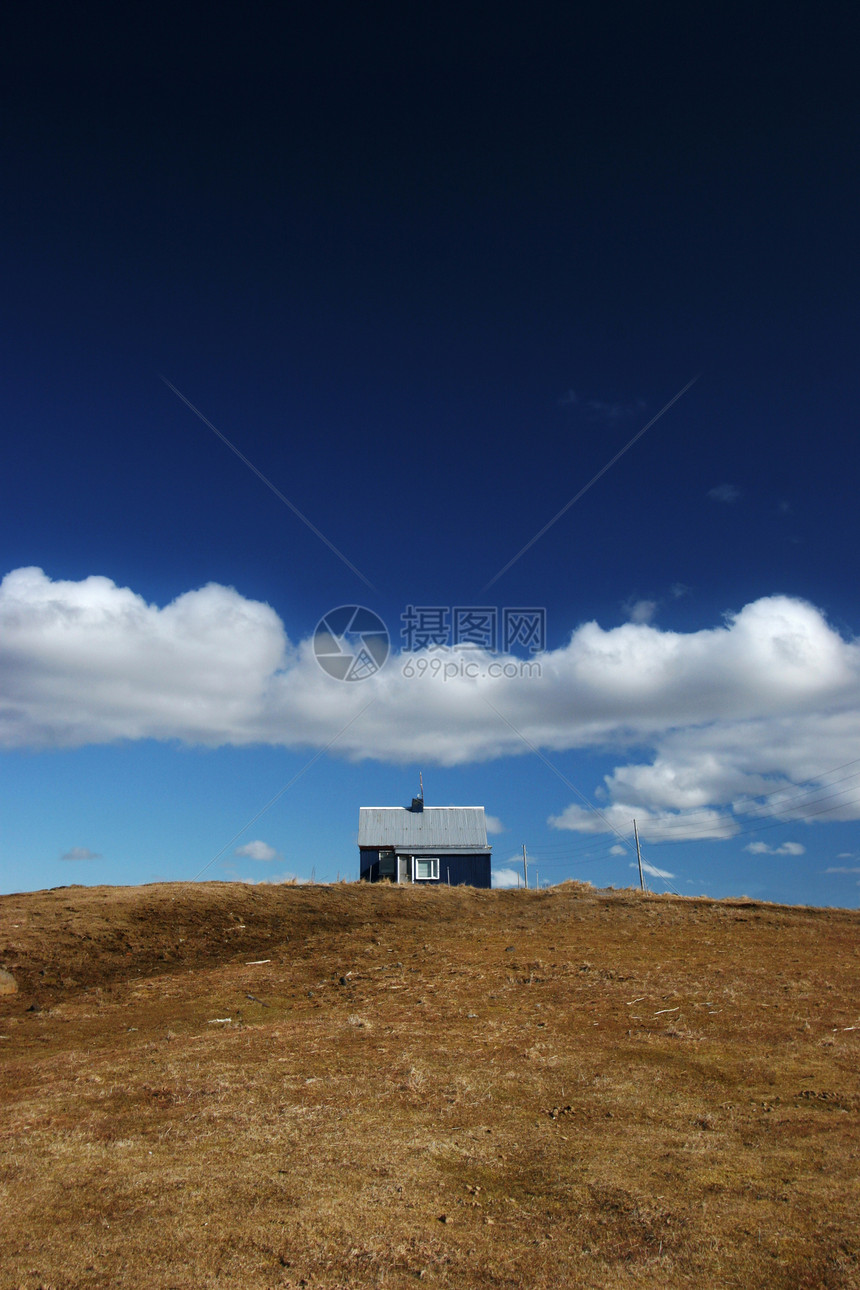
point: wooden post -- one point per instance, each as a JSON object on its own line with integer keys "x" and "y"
{"x": 638, "y": 857}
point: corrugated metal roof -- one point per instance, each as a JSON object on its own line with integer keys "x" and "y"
{"x": 436, "y": 828}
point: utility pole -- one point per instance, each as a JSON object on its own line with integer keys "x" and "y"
{"x": 525, "y": 869}
{"x": 638, "y": 856}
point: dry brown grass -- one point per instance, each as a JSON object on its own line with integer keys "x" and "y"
{"x": 488, "y": 1089}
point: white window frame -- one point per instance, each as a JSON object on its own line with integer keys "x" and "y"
{"x": 433, "y": 861}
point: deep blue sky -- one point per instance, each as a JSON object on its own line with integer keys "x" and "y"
{"x": 429, "y": 271}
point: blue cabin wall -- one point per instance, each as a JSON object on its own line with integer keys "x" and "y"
{"x": 465, "y": 870}
{"x": 368, "y": 865}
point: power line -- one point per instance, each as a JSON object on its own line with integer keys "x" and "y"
{"x": 778, "y": 807}
{"x": 804, "y": 788}
{"x": 784, "y": 818}
{"x": 566, "y": 855}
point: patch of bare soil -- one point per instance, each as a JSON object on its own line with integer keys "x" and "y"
{"x": 220, "y": 1085}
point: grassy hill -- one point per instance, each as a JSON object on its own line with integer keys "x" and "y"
{"x": 347, "y": 1086}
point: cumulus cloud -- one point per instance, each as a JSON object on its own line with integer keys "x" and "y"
{"x": 90, "y": 662}
{"x": 615, "y": 410}
{"x": 278, "y": 879}
{"x": 739, "y": 719}
{"x": 81, "y": 853}
{"x": 271, "y": 880}
{"x": 655, "y": 826}
{"x": 787, "y": 849}
{"x": 640, "y": 611}
{"x": 506, "y": 877}
{"x": 652, "y": 869}
{"x": 724, "y": 493}
{"x": 601, "y": 409}
{"x": 257, "y": 851}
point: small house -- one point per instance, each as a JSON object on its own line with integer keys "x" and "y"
{"x": 424, "y": 844}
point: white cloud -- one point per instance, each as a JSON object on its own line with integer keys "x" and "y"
{"x": 90, "y": 662}
{"x": 787, "y": 849}
{"x": 258, "y": 851}
{"x": 843, "y": 869}
{"x": 604, "y": 409}
{"x": 613, "y": 411}
{"x": 506, "y": 877}
{"x": 652, "y": 869}
{"x": 81, "y": 853}
{"x": 653, "y": 826}
{"x": 735, "y": 717}
{"x": 274, "y": 880}
{"x": 724, "y": 493}
{"x": 640, "y": 611}
{"x": 494, "y": 824}
{"x": 618, "y": 850}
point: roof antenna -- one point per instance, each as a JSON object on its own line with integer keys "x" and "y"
{"x": 421, "y": 786}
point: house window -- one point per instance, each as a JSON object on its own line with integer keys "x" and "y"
{"x": 386, "y": 864}
{"x": 424, "y": 869}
